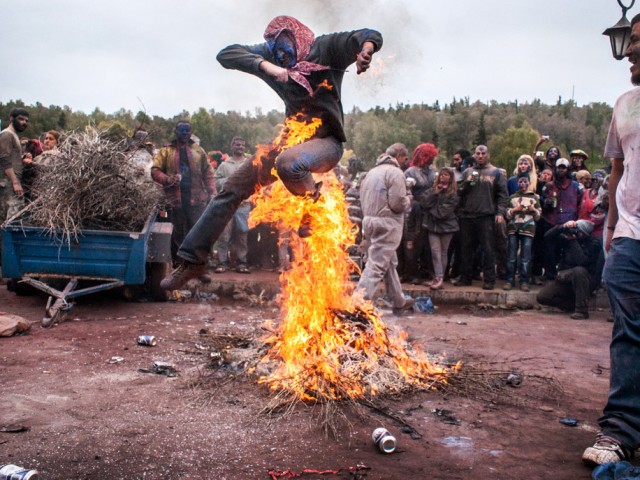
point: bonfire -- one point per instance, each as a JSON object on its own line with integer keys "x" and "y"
{"x": 331, "y": 344}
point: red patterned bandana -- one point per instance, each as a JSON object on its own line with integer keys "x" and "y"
{"x": 304, "y": 39}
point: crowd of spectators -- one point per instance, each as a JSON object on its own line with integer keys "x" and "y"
{"x": 467, "y": 221}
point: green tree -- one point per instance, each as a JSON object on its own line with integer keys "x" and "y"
{"x": 506, "y": 148}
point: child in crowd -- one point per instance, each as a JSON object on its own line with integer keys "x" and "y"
{"x": 522, "y": 213}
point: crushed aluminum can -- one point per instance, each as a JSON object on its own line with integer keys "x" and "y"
{"x": 115, "y": 359}
{"x": 385, "y": 442}
{"x": 514, "y": 379}
{"x": 147, "y": 340}
{"x": 14, "y": 472}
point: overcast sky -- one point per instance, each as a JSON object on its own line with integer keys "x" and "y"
{"x": 112, "y": 54}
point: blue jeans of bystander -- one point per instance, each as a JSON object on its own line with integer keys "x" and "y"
{"x": 524, "y": 242}
{"x": 621, "y": 416}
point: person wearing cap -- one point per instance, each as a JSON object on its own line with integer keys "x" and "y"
{"x": 578, "y": 158}
{"x": 578, "y": 260}
{"x": 11, "y": 165}
{"x": 560, "y": 201}
{"x": 619, "y": 437}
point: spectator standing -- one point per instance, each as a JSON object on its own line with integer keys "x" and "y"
{"x": 460, "y": 161}
{"x": 525, "y": 167}
{"x": 32, "y": 150}
{"x": 550, "y": 158}
{"x": 421, "y": 175}
{"x": 235, "y": 235}
{"x": 384, "y": 199}
{"x": 523, "y": 212}
{"x": 620, "y": 423}
{"x": 186, "y": 177}
{"x": 576, "y": 277}
{"x": 11, "y": 191}
{"x": 578, "y": 159}
{"x": 560, "y": 203}
{"x": 140, "y": 157}
{"x": 440, "y": 221}
{"x": 483, "y": 202}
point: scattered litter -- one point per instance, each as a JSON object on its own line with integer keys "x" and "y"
{"x": 385, "y": 442}
{"x": 147, "y": 340}
{"x": 464, "y": 442}
{"x": 14, "y": 428}
{"x": 424, "y": 305}
{"x": 115, "y": 360}
{"x": 180, "y": 295}
{"x": 206, "y": 296}
{"x": 569, "y": 421}
{"x": 11, "y": 472}
{"x": 514, "y": 379}
{"x": 161, "y": 368}
{"x": 445, "y": 416}
{"x": 461, "y": 323}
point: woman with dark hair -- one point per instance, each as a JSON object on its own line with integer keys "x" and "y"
{"x": 440, "y": 221}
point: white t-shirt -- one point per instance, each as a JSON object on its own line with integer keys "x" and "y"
{"x": 623, "y": 141}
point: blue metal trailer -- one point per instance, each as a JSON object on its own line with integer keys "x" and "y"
{"x": 105, "y": 259}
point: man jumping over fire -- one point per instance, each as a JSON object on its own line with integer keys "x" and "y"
{"x": 306, "y": 72}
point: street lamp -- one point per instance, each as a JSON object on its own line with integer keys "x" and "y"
{"x": 619, "y": 34}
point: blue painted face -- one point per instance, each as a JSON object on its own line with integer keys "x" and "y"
{"x": 183, "y": 132}
{"x": 284, "y": 49}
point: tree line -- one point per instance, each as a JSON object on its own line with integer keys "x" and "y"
{"x": 508, "y": 129}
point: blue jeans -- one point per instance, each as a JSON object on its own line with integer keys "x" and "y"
{"x": 621, "y": 418}
{"x": 525, "y": 242}
{"x": 294, "y": 166}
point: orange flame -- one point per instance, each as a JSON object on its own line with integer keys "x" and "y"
{"x": 319, "y": 353}
{"x": 325, "y": 84}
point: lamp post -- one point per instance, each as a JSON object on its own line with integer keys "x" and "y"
{"x": 619, "y": 34}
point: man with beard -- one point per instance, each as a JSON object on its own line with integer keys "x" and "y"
{"x": 620, "y": 424}
{"x": 306, "y": 72}
{"x": 11, "y": 166}
{"x": 483, "y": 203}
{"x": 560, "y": 203}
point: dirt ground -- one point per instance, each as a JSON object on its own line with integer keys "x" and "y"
{"x": 83, "y": 417}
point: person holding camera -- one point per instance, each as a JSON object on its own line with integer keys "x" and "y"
{"x": 523, "y": 212}
{"x": 577, "y": 268}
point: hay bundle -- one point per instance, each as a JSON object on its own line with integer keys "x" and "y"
{"x": 91, "y": 184}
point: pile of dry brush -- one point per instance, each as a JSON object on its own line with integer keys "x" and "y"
{"x": 91, "y": 184}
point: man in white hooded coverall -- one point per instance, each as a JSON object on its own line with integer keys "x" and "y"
{"x": 384, "y": 200}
